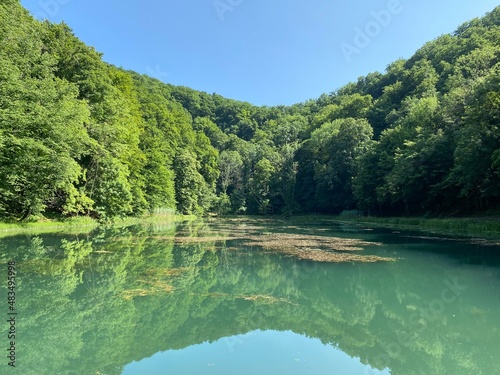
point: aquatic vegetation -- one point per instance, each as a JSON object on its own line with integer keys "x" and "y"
{"x": 166, "y": 272}
{"x": 474, "y": 310}
{"x": 292, "y": 240}
{"x": 153, "y": 278}
{"x": 266, "y": 299}
{"x": 329, "y": 257}
{"x": 316, "y": 248}
{"x": 155, "y": 286}
{"x": 185, "y": 239}
{"x": 132, "y": 293}
{"x": 485, "y": 242}
{"x": 464, "y": 226}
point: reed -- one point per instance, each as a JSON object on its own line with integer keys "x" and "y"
{"x": 465, "y": 226}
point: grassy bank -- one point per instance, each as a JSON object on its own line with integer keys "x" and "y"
{"x": 474, "y": 226}
{"x": 45, "y": 225}
{"x": 461, "y": 226}
{"x": 487, "y": 225}
{"x": 82, "y": 224}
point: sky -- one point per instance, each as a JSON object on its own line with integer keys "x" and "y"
{"x": 266, "y": 52}
{"x": 262, "y": 352}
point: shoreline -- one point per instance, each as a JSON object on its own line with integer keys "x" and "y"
{"x": 82, "y": 224}
{"x": 467, "y": 226}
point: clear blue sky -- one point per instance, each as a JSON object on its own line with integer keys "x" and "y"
{"x": 266, "y": 52}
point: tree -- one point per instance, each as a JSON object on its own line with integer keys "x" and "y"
{"x": 157, "y": 172}
{"x": 337, "y": 146}
{"x": 42, "y": 123}
{"x": 287, "y": 177}
{"x": 189, "y": 183}
{"x": 475, "y": 169}
{"x": 259, "y": 186}
{"x": 230, "y": 164}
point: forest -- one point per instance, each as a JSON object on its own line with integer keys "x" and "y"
{"x": 79, "y": 136}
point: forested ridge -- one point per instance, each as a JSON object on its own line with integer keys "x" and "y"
{"x": 81, "y": 137}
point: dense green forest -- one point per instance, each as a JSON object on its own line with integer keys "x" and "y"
{"x": 81, "y": 137}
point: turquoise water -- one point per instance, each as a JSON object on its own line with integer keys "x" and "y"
{"x": 220, "y": 297}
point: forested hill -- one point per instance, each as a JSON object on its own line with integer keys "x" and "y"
{"x": 79, "y": 136}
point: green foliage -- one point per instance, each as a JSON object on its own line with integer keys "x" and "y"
{"x": 79, "y": 136}
{"x": 475, "y": 168}
{"x": 222, "y": 204}
{"x": 230, "y": 164}
{"x": 287, "y": 178}
{"x": 110, "y": 188}
{"x": 336, "y": 147}
{"x": 259, "y": 187}
{"x": 41, "y": 120}
{"x": 157, "y": 172}
{"x": 189, "y": 183}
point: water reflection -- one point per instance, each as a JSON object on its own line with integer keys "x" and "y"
{"x": 94, "y": 304}
{"x": 257, "y": 352}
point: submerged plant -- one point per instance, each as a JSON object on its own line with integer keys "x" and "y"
{"x": 316, "y": 248}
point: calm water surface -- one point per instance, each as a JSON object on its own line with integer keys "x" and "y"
{"x": 214, "y": 298}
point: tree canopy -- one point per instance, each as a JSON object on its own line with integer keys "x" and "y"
{"x": 81, "y": 137}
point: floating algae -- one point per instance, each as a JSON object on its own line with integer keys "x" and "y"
{"x": 263, "y": 299}
{"x": 186, "y": 239}
{"x": 132, "y": 293}
{"x": 266, "y": 299}
{"x": 285, "y": 241}
{"x": 316, "y": 248}
{"x": 155, "y": 287}
{"x": 167, "y": 272}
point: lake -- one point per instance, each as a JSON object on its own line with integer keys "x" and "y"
{"x": 248, "y": 296}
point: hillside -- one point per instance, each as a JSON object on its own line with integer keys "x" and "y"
{"x": 81, "y": 137}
